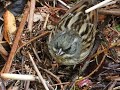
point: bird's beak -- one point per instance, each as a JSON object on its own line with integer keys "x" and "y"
{"x": 60, "y": 52}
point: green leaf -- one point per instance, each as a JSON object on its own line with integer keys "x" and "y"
{"x": 118, "y": 28}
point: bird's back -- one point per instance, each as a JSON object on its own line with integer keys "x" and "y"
{"x": 83, "y": 23}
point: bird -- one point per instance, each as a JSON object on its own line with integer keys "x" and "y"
{"x": 73, "y": 38}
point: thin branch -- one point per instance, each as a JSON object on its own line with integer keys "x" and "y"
{"x": 97, "y": 67}
{"x": 46, "y": 20}
{"x": 110, "y": 12}
{"x": 18, "y": 76}
{"x": 39, "y": 36}
{"x": 32, "y": 9}
{"x": 63, "y": 3}
{"x": 53, "y": 75}
{"x": 38, "y": 72}
{"x": 103, "y": 3}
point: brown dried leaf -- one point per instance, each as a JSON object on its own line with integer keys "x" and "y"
{"x": 9, "y": 26}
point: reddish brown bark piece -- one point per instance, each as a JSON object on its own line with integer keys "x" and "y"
{"x": 16, "y": 41}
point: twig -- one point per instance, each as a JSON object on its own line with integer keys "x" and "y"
{"x": 106, "y": 49}
{"x": 110, "y": 3}
{"x": 53, "y": 75}
{"x": 38, "y": 72}
{"x": 36, "y": 54}
{"x": 3, "y": 52}
{"x": 16, "y": 41}
{"x": 39, "y": 36}
{"x": 110, "y": 12}
{"x": 114, "y": 29}
{"x": 61, "y": 83}
{"x": 64, "y": 4}
{"x": 97, "y": 67}
{"x": 116, "y": 88}
{"x": 28, "y": 82}
{"x": 2, "y": 49}
{"x": 46, "y": 20}
{"x": 1, "y": 42}
{"x": 18, "y": 76}
{"x": 97, "y": 6}
{"x": 31, "y": 15}
{"x": 113, "y": 78}
{"x": 2, "y": 85}
{"x": 113, "y": 84}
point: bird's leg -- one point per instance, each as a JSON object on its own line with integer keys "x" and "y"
{"x": 82, "y": 69}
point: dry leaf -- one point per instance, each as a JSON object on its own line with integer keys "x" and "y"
{"x": 9, "y": 26}
{"x": 38, "y": 17}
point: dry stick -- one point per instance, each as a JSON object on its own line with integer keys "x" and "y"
{"x": 16, "y": 41}
{"x": 2, "y": 49}
{"x": 46, "y": 20}
{"x": 97, "y": 6}
{"x": 115, "y": 12}
{"x": 63, "y": 3}
{"x": 1, "y": 42}
{"x": 116, "y": 88}
{"x": 64, "y": 83}
{"x": 28, "y": 82}
{"x": 32, "y": 9}
{"x": 112, "y": 86}
{"x": 113, "y": 29}
{"x": 2, "y": 85}
{"x": 18, "y": 77}
{"x": 109, "y": 3}
{"x": 36, "y": 54}
{"x": 3, "y": 52}
{"x": 38, "y": 73}
{"x": 115, "y": 78}
{"x": 106, "y": 49}
{"x": 39, "y": 36}
{"x": 115, "y": 44}
{"x": 53, "y": 75}
{"x": 97, "y": 67}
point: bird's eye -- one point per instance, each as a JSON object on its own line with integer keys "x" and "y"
{"x": 68, "y": 49}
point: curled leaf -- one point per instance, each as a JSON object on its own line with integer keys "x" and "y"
{"x": 9, "y": 26}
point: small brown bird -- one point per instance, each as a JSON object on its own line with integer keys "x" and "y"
{"x": 73, "y": 38}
